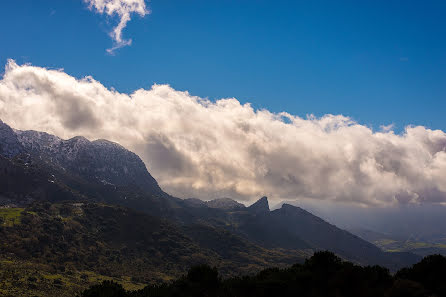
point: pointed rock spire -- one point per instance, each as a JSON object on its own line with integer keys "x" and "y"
{"x": 260, "y": 206}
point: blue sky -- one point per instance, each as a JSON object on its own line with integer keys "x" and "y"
{"x": 379, "y": 62}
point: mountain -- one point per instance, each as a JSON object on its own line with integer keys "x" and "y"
{"x": 101, "y": 161}
{"x": 22, "y": 181}
{"x": 36, "y": 166}
{"x": 259, "y": 207}
{"x": 324, "y": 236}
{"x": 292, "y": 227}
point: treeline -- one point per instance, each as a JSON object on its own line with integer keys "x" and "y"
{"x": 324, "y": 274}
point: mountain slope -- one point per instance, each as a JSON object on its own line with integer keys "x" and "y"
{"x": 100, "y": 160}
{"x": 37, "y": 166}
{"x": 73, "y": 238}
{"x": 291, "y": 227}
{"x": 9, "y": 144}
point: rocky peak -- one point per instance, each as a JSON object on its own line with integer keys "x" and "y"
{"x": 100, "y": 160}
{"x": 260, "y": 206}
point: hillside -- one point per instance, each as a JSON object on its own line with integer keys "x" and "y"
{"x": 91, "y": 207}
{"x": 292, "y": 227}
{"x": 74, "y": 238}
{"x": 37, "y": 166}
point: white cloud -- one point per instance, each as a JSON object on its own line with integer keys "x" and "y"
{"x": 198, "y": 148}
{"x": 123, "y": 9}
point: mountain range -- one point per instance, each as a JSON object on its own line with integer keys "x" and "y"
{"x": 100, "y": 198}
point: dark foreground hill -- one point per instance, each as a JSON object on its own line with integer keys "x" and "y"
{"x": 63, "y": 247}
{"x": 322, "y": 275}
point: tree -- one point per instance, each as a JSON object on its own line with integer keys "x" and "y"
{"x": 105, "y": 289}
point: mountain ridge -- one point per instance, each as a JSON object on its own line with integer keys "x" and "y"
{"x": 79, "y": 153}
{"x": 105, "y": 172}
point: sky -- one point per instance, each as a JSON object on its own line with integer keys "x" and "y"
{"x": 339, "y": 102}
{"x": 379, "y": 62}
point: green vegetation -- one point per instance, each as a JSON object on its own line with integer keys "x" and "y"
{"x": 417, "y": 247}
{"x": 324, "y": 274}
{"x": 62, "y": 248}
{"x": 24, "y": 278}
{"x": 10, "y": 216}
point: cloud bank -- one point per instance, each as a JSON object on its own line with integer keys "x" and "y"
{"x": 123, "y": 9}
{"x": 198, "y": 148}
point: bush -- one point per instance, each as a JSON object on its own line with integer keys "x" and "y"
{"x": 322, "y": 275}
{"x": 105, "y": 289}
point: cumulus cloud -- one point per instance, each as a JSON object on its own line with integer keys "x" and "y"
{"x": 123, "y": 9}
{"x": 198, "y": 148}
